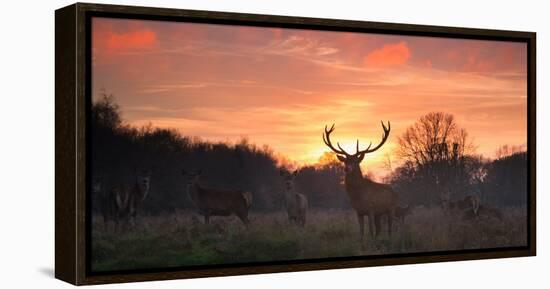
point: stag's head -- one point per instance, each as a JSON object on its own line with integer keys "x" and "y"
{"x": 191, "y": 177}
{"x": 352, "y": 161}
{"x": 289, "y": 178}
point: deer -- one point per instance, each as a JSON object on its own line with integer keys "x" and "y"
{"x": 100, "y": 198}
{"x": 473, "y": 209}
{"x": 368, "y": 198}
{"x": 122, "y": 202}
{"x": 214, "y": 202}
{"x": 470, "y": 202}
{"x": 296, "y": 204}
{"x": 401, "y": 212}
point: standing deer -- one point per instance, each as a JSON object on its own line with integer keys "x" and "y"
{"x": 402, "y": 212}
{"x": 100, "y": 198}
{"x": 213, "y": 202}
{"x": 367, "y": 198}
{"x": 296, "y": 204}
{"x": 121, "y": 203}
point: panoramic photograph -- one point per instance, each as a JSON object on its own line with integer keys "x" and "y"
{"x": 221, "y": 144}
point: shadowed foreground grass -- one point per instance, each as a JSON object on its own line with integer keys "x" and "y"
{"x": 182, "y": 239}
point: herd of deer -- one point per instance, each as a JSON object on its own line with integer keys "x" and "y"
{"x": 120, "y": 203}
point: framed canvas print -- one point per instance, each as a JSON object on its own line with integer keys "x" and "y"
{"x": 195, "y": 143}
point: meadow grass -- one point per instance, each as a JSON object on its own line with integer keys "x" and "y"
{"x": 182, "y": 239}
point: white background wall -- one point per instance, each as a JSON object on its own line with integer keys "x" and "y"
{"x": 27, "y": 144}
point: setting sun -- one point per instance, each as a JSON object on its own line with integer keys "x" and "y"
{"x": 280, "y": 87}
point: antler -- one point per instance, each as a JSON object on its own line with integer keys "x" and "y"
{"x": 340, "y": 150}
{"x": 385, "y": 136}
{"x": 326, "y": 139}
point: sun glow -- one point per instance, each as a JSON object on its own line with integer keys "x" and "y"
{"x": 280, "y": 87}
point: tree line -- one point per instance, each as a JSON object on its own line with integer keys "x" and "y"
{"x": 435, "y": 155}
{"x": 439, "y": 158}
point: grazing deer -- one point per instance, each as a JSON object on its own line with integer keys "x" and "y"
{"x": 100, "y": 199}
{"x": 467, "y": 203}
{"x": 296, "y": 204}
{"x": 367, "y": 198}
{"x": 122, "y": 202}
{"x": 213, "y": 202}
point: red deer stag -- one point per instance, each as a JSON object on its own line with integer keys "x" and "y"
{"x": 213, "y": 202}
{"x": 295, "y": 203}
{"x": 367, "y": 198}
{"x": 121, "y": 203}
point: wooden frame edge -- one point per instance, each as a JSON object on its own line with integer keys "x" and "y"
{"x": 65, "y": 149}
{"x": 70, "y": 122}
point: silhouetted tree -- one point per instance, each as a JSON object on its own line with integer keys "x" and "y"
{"x": 437, "y": 158}
{"x": 506, "y": 181}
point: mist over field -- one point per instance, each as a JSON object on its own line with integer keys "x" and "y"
{"x": 181, "y": 240}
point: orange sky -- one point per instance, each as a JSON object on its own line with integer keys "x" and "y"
{"x": 281, "y": 86}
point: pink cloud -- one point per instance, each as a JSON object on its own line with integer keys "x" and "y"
{"x": 107, "y": 39}
{"x": 389, "y": 55}
{"x": 144, "y": 38}
{"x": 486, "y": 57}
{"x": 200, "y": 78}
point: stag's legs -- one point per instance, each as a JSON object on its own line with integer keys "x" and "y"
{"x": 377, "y": 225}
{"x": 105, "y": 223}
{"x": 361, "y": 220}
{"x": 117, "y": 226}
{"x": 207, "y": 219}
{"x": 133, "y": 220}
{"x": 371, "y": 225}
{"x": 291, "y": 220}
{"x": 390, "y": 220}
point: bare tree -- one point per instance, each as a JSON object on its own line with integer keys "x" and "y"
{"x": 435, "y": 136}
{"x": 435, "y": 148}
{"x": 508, "y": 150}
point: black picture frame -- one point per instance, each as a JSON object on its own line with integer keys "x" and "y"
{"x": 73, "y": 100}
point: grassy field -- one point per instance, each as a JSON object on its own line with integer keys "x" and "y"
{"x": 181, "y": 239}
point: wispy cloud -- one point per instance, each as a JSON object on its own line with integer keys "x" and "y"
{"x": 389, "y": 55}
{"x": 160, "y": 88}
{"x": 281, "y": 86}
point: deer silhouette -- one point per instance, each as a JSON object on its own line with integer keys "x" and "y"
{"x": 121, "y": 203}
{"x": 214, "y": 202}
{"x": 295, "y": 203}
{"x": 368, "y": 198}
